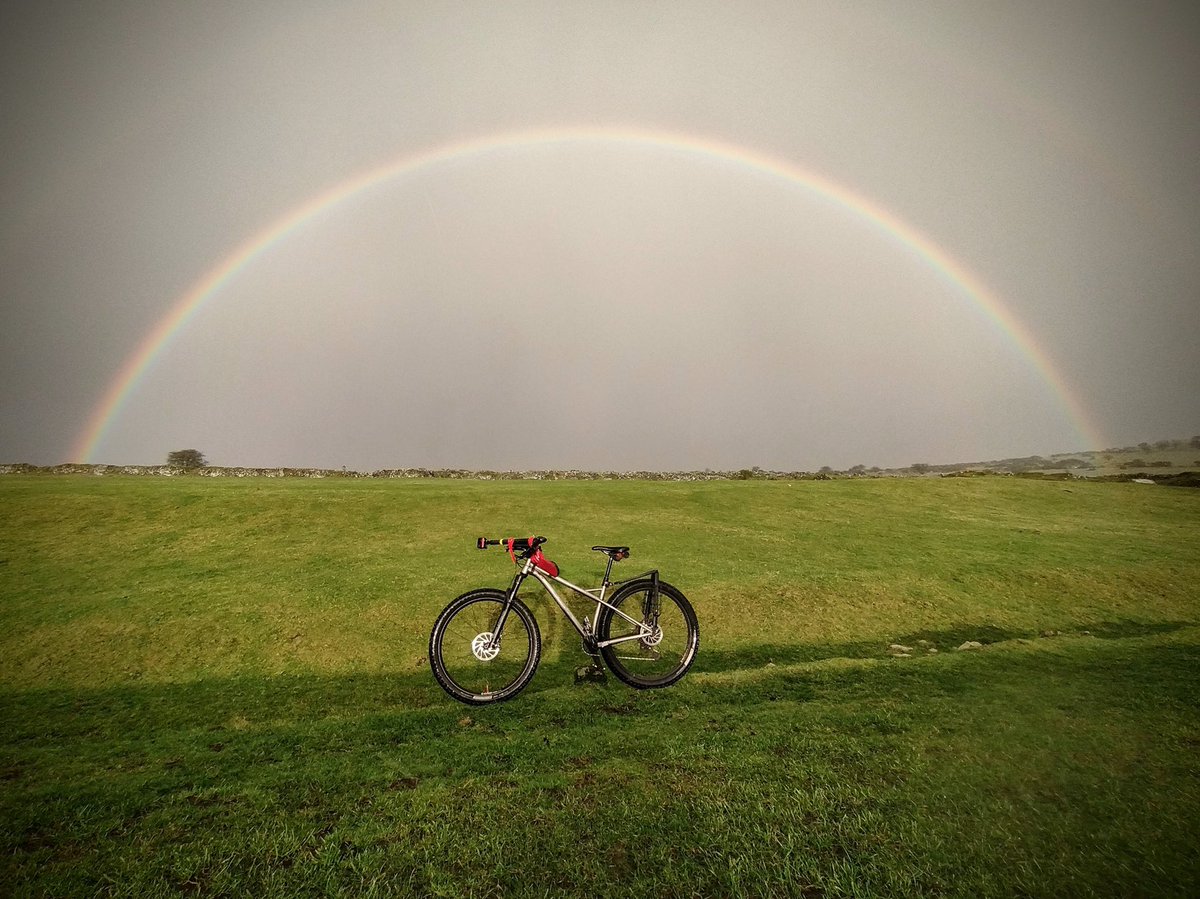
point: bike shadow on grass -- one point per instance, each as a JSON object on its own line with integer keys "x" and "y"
{"x": 396, "y": 706}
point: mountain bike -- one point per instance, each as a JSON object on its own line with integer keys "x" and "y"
{"x": 485, "y": 645}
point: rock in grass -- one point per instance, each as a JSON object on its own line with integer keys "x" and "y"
{"x": 590, "y": 673}
{"x": 898, "y": 647}
{"x": 971, "y": 644}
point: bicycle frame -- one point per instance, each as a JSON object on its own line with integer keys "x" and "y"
{"x": 528, "y": 569}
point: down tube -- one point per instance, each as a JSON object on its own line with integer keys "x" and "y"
{"x": 562, "y": 605}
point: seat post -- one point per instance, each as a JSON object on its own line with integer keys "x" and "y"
{"x": 608, "y": 569}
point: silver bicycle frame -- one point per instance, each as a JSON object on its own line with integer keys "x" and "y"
{"x": 597, "y": 594}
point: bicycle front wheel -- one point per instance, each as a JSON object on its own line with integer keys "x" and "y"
{"x": 469, "y": 663}
{"x": 656, "y": 632}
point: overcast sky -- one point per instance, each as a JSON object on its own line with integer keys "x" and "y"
{"x": 600, "y": 304}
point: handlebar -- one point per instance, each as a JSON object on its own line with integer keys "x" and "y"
{"x": 522, "y": 544}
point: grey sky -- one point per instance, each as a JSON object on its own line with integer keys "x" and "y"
{"x": 598, "y": 305}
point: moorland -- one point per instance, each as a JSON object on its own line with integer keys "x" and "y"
{"x": 218, "y": 687}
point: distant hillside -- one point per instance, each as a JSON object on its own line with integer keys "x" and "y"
{"x": 1162, "y": 457}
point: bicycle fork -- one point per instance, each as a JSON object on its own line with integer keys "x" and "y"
{"x": 652, "y": 605}
{"x": 498, "y": 630}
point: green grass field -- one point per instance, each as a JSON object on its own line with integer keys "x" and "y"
{"x": 218, "y": 687}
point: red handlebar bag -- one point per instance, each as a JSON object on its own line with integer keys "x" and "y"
{"x": 543, "y": 563}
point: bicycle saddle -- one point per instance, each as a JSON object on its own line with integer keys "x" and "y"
{"x": 613, "y": 551}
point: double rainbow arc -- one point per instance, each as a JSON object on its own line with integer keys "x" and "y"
{"x": 971, "y": 288}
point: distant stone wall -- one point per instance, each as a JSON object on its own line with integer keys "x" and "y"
{"x": 214, "y": 471}
{"x": 171, "y": 471}
{"x": 1180, "y": 479}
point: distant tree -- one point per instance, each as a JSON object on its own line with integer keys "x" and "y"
{"x": 188, "y": 458}
{"x": 857, "y": 469}
{"x": 919, "y": 468}
{"x": 1195, "y": 442}
{"x": 825, "y": 469}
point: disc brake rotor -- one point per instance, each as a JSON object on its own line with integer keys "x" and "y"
{"x": 483, "y": 649}
{"x": 654, "y": 637}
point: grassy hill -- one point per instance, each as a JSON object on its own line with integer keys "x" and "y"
{"x": 1163, "y": 457}
{"x": 219, "y": 687}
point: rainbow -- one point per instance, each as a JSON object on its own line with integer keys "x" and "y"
{"x": 151, "y": 346}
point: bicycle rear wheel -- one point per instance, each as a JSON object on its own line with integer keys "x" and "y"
{"x": 658, "y": 634}
{"x": 463, "y": 659}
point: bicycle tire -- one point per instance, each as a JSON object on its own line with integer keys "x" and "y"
{"x": 458, "y": 659}
{"x": 649, "y": 664}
